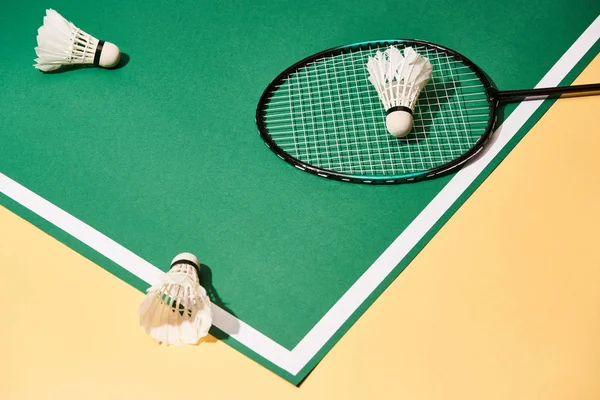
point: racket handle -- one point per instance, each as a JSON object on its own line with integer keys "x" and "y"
{"x": 516, "y": 95}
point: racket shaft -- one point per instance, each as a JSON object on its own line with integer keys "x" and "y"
{"x": 517, "y": 95}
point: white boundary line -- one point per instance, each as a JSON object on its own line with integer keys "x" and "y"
{"x": 139, "y": 267}
{"x": 393, "y": 255}
{"x": 293, "y": 361}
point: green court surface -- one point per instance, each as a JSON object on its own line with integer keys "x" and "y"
{"x": 134, "y": 165}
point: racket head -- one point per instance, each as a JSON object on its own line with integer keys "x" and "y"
{"x": 323, "y": 116}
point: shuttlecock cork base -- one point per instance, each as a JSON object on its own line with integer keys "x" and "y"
{"x": 399, "y": 121}
{"x": 187, "y": 258}
{"x": 60, "y": 43}
{"x": 107, "y": 55}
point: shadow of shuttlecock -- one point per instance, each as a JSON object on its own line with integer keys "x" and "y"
{"x": 216, "y": 334}
{"x": 444, "y": 102}
{"x": 435, "y": 97}
{"x": 123, "y": 61}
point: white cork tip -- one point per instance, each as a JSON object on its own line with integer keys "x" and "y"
{"x": 399, "y": 123}
{"x": 186, "y": 257}
{"x": 109, "y": 56}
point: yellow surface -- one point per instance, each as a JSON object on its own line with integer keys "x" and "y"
{"x": 504, "y": 303}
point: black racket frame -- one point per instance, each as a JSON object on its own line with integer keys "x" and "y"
{"x": 493, "y": 97}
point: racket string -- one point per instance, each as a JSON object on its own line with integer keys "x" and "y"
{"x": 336, "y": 120}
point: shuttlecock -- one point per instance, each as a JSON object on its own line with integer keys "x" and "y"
{"x": 177, "y": 310}
{"x": 398, "y": 79}
{"x": 62, "y": 43}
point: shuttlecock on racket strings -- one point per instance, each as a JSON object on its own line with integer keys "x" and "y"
{"x": 177, "y": 311}
{"x": 398, "y": 80}
{"x": 62, "y": 43}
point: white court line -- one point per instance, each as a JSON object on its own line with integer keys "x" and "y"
{"x": 139, "y": 267}
{"x": 393, "y": 255}
{"x": 293, "y": 361}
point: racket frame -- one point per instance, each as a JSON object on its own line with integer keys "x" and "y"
{"x": 490, "y": 92}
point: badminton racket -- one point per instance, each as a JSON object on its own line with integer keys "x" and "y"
{"x": 323, "y": 116}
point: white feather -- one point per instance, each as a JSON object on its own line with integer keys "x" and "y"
{"x": 398, "y": 80}
{"x": 177, "y": 310}
{"x": 60, "y": 42}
